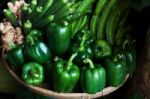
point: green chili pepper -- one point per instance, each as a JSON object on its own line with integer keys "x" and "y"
{"x": 16, "y": 56}
{"x": 33, "y": 73}
{"x": 65, "y": 75}
{"x": 59, "y": 36}
{"x": 93, "y": 78}
{"x": 36, "y": 50}
{"x": 116, "y": 71}
{"x": 101, "y": 49}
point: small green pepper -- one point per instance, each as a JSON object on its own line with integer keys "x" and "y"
{"x": 33, "y": 73}
{"x": 16, "y": 56}
{"x": 36, "y": 50}
{"x": 116, "y": 71}
{"x": 65, "y": 75}
{"x": 101, "y": 49}
{"x": 59, "y": 36}
{"x": 93, "y": 78}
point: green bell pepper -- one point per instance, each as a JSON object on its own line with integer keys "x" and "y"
{"x": 36, "y": 50}
{"x": 81, "y": 45}
{"x": 116, "y": 71}
{"x": 93, "y": 78}
{"x": 33, "y": 73}
{"x": 59, "y": 36}
{"x": 65, "y": 75}
{"x": 130, "y": 54}
{"x": 16, "y": 57}
{"x": 131, "y": 60}
{"x": 101, "y": 49}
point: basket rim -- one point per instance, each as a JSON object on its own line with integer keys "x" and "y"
{"x": 51, "y": 93}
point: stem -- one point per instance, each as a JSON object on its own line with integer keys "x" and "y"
{"x": 125, "y": 43}
{"x": 27, "y": 26}
{"x": 29, "y": 40}
{"x": 89, "y": 61}
{"x": 69, "y": 63}
{"x": 82, "y": 42}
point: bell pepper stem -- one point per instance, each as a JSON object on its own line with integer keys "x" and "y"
{"x": 82, "y": 43}
{"x": 125, "y": 43}
{"x": 70, "y": 60}
{"x": 89, "y": 61}
{"x": 30, "y": 40}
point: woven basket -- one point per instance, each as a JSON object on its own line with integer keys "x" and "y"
{"x": 47, "y": 92}
{"x": 141, "y": 78}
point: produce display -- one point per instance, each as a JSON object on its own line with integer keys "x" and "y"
{"x": 71, "y": 45}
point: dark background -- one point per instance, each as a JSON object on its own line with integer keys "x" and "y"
{"x": 140, "y": 22}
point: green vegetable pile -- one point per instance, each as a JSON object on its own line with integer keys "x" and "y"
{"x": 73, "y": 45}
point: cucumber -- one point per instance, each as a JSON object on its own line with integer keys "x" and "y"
{"x": 111, "y": 26}
{"x": 103, "y": 19}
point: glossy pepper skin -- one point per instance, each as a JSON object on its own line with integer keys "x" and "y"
{"x": 101, "y": 49}
{"x": 36, "y": 34}
{"x": 16, "y": 56}
{"x": 131, "y": 60}
{"x": 65, "y": 75}
{"x": 81, "y": 45}
{"x": 93, "y": 78}
{"x": 33, "y": 73}
{"x": 59, "y": 36}
{"x": 36, "y": 50}
{"x": 130, "y": 54}
{"x": 116, "y": 71}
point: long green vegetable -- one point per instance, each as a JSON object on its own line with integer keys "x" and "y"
{"x": 111, "y": 26}
{"x": 45, "y": 6}
{"x": 93, "y": 23}
{"x": 103, "y": 20}
{"x": 44, "y": 21}
{"x": 33, "y": 4}
{"x": 99, "y": 6}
